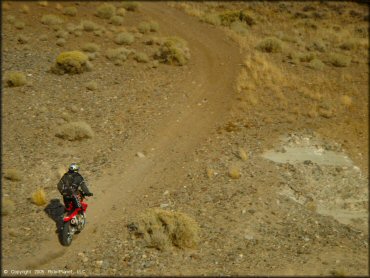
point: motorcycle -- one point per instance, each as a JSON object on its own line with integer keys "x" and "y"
{"x": 74, "y": 220}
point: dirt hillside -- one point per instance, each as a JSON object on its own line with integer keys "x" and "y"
{"x": 217, "y": 138}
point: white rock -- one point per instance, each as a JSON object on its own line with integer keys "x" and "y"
{"x": 99, "y": 263}
{"x": 166, "y": 192}
{"x": 164, "y": 205}
{"x": 248, "y": 237}
{"x": 140, "y": 154}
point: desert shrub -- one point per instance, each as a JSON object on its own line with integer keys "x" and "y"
{"x": 318, "y": 46}
{"x": 71, "y": 62}
{"x": 141, "y": 57}
{"x": 302, "y": 57}
{"x": 148, "y": 26}
{"x": 74, "y": 131}
{"x": 242, "y": 154}
{"x": 15, "y": 79}
{"x": 12, "y": 174}
{"x": 43, "y": 3}
{"x": 234, "y": 172}
{"x": 89, "y": 26}
{"x": 350, "y": 44}
{"x": 58, "y": 6}
{"x": 60, "y": 42}
{"x": 90, "y": 47}
{"x": 124, "y": 38}
{"x": 229, "y": 17}
{"x": 173, "y": 51}
{"x": 43, "y": 38}
{"x": 270, "y": 45}
{"x": 338, "y": 60}
{"x": 39, "y": 197}
{"x": 19, "y": 24}
{"x": 346, "y": 100}
{"x": 92, "y": 85}
{"x": 211, "y": 18}
{"x": 118, "y": 55}
{"x": 239, "y": 27}
{"x": 161, "y": 229}
{"x": 61, "y": 34}
{"x": 22, "y": 39}
{"x": 51, "y": 19}
{"x": 10, "y": 19}
{"x": 105, "y": 11}
{"x": 7, "y": 206}
{"x": 25, "y": 9}
{"x": 153, "y": 41}
{"x": 121, "y": 12}
{"x": 71, "y": 11}
{"x": 116, "y": 20}
{"x": 316, "y": 64}
{"x": 130, "y": 6}
{"x": 361, "y": 32}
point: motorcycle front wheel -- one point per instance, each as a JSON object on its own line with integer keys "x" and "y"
{"x": 66, "y": 234}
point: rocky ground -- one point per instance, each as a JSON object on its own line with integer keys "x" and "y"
{"x": 267, "y": 154}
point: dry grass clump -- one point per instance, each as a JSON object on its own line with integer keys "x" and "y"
{"x": 39, "y": 197}
{"x": 239, "y": 27}
{"x": 7, "y": 207}
{"x": 141, "y": 57}
{"x": 234, "y": 172}
{"x": 228, "y": 17}
{"x": 89, "y": 26}
{"x": 43, "y": 3}
{"x": 5, "y": 6}
{"x": 211, "y": 18}
{"x": 12, "y": 174}
{"x": 22, "y": 39}
{"x": 316, "y": 64}
{"x": 153, "y": 41}
{"x": 116, "y": 20}
{"x": 173, "y": 51}
{"x": 346, "y": 100}
{"x": 243, "y": 154}
{"x": 339, "y": 60}
{"x": 51, "y": 19}
{"x": 92, "y": 85}
{"x": 60, "y": 42}
{"x": 25, "y": 9}
{"x": 350, "y": 44}
{"x": 71, "y": 11}
{"x": 148, "y": 26}
{"x": 124, "y": 38}
{"x": 118, "y": 55}
{"x": 10, "y": 19}
{"x": 90, "y": 47}
{"x": 71, "y": 62}
{"x": 61, "y": 34}
{"x": 19, "y": 24}
{"x": 74, "y": 131}
{"x": 15, "y": 79}
{"x": 162, "y": 229}
{"x": 121, "y": 11}
{"x": 130, "y": 6}
{"x": 270, "y": 45}
{"x": 105, "y": 11}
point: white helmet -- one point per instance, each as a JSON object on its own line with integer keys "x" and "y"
{"x": 74, "y": 167}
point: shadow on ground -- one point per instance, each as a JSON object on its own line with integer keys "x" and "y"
{"x": 55, "y": 210}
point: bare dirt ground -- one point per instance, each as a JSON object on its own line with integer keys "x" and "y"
{"x": 296, "y": 138}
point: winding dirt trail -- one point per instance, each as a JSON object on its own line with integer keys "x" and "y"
{"x": 212, "y": 71}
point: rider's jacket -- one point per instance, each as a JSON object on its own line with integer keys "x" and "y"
{"x": 70, "y": 183}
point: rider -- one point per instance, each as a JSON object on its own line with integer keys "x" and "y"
{"x": 70, "y": 184}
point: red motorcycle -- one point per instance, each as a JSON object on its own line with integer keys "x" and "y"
{"x": 75, "y": 219}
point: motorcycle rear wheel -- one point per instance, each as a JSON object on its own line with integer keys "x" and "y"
{"x": 66, "y": 234}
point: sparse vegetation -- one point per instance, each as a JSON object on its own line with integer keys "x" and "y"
{"x": 19, "y": 24}
{"x": 92, "y": 85}
{"x": 234, "y": 172}
{"x": 228, "y": 17}
{"x": 346, "y": 100}
{"x": 121, "y": 12}
{"x": 141, "y": 57}
{"x": 71, "y": 11}
{"x": 10, "y": 19}
{"x": 316, "y": 64}
{"x": 130, "y": 6}
{"x": 161, "y": 229}
{"x": 173, "y": 51}
{"x": 270, "y": 45}
{"x": 89, "y": 26}
{"x": 25, "y": 9}
{"x": 105, "y": 11}
{"x": 239, "y": 27}
{"x": 15, "y": 79}
{"x": 124, "y": 38}
{"x": 116, "y": 20}
{"x": 60, "y": 42}
{"x": 211, "y": 18}
{"x": 243, "y": 154}
{"x": 7, "y": 207}
{"x": 71, "y": 62}
{"x": 39, "y": 197}
{"x": 22, "y": 39}
{"x": 51, "y": 19}
{"x": 43, "y": 3}
{"x": 12, "y": 174}
{"x": 148, "y": 26}
{"x": 75, "y": 131}
{"x": 118, "y": 55}
{"x": 91, "y": 47}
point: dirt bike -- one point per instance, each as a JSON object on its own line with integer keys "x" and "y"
{"x": 75, "y": 219}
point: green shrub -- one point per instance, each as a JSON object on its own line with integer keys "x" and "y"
{"x": 90, "y": 47}
{"x": 124, "y": 38}
{"x": 316, "y": 64}
{"x": 118, "y": 55}
{"x": 116, "y": 20}
{"x": 15, "y": 79}
{"x": 74, "y": 131}
{"x": 270, "y": 45}
{"x": 148, "y": 26}
{"x": 141, "y": 57}
{"x": 89, "y": 26}
{"x": 50, "y": 19}
{"x": 105, "y": 11}
{"x": 71, "y": 62}
{"x": 338, "y": 60}
{"x": 173, "y": 51}
{"x": 71, "y": 11}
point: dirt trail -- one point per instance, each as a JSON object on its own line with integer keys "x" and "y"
{"x": 209, "y": 86}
